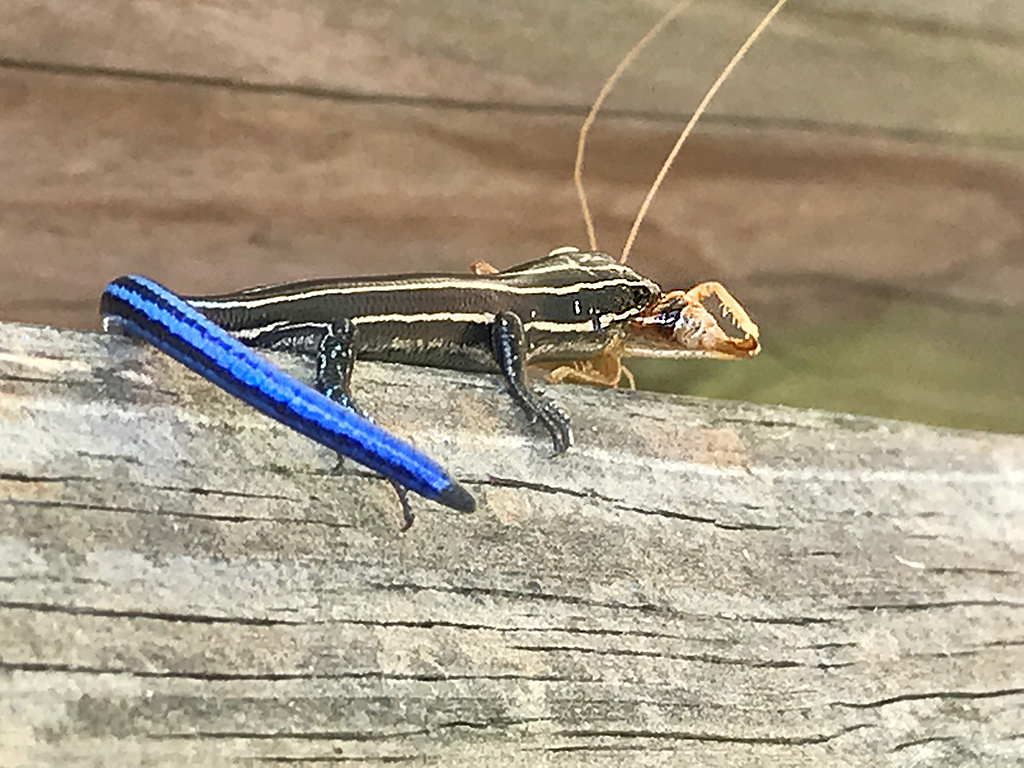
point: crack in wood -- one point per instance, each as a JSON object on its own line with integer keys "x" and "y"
{"x": 696, "y": 657}
{"x": 935, "y": 604}
{"x": 173, "y": 513}
{"x": 187, "y": 618}
{"x": 952, "y": 695}
{"x": 42, "y": 667}
{"x": 358, "y": 736}
{"x": 792, "y": 741}
{"x": 919, "y": 742}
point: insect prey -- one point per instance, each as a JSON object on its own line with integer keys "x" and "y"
{"x": 678, "y": 324}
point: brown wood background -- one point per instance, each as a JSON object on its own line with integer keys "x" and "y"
{"x": 858, "y": 185}
{"x": 907, "y": 182}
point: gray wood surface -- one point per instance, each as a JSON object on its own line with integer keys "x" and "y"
{"x": 697, "y": 582}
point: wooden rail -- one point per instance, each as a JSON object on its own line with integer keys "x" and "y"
{"x": 697, "y": 582}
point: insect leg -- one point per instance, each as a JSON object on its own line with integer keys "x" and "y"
{"x": 508, "y": 342}
{"x": 481, "y": 267}
{"x": 603, "y": 370}
{"x": 335, "y": 358}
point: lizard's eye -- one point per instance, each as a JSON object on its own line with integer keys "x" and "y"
{"x": 643, "y": 295}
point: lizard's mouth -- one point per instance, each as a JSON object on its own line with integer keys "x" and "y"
{"x": 679, "y": 324}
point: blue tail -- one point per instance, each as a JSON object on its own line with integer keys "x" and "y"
{"x": 148, "y": 310}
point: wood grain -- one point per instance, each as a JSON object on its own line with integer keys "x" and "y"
{"x": 697, "y": 582}
{"x": 227, "y": 143}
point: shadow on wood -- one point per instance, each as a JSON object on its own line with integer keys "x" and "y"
{"x": 697, "y": 582}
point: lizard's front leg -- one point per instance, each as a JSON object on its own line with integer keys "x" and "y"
{"x": 508, "y": 343}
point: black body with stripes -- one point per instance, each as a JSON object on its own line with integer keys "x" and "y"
{"x": 571, "y": 304}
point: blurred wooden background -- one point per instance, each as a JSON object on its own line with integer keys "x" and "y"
{"x": 859, "y": 183}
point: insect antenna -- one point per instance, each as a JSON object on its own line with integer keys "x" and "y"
{"x": 627, "y": 60}
{"x": 697, "y": 113}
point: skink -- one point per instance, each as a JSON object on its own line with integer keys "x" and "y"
{"x": 566, "y": 307}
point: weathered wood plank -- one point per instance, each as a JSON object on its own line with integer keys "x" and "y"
{"x": 696, "y": 582}
{"x": 897, "y": 64}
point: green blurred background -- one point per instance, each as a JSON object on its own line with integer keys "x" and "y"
{"x": 948, "y": 366}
